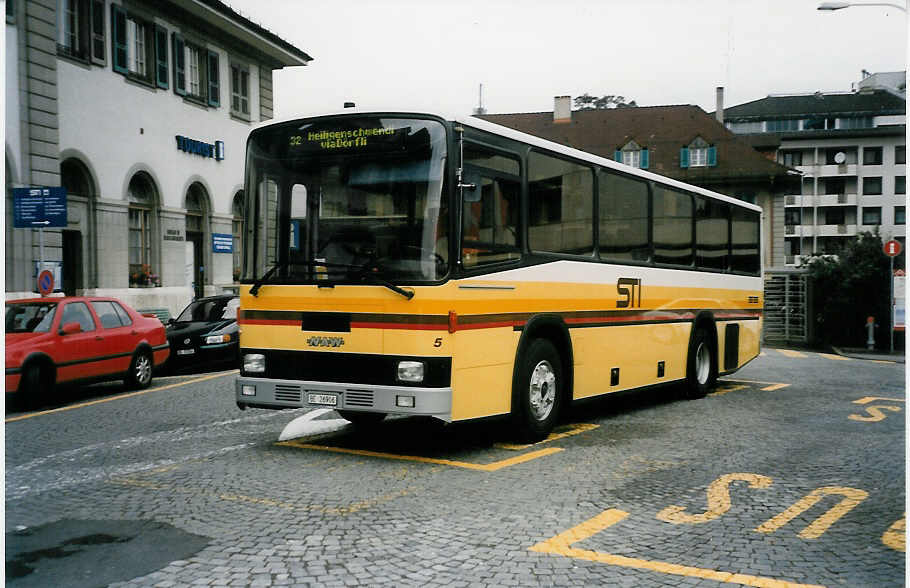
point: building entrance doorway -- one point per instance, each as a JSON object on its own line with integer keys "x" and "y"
{"x": 195, "y": 270}
{"x": 72, "y": 263}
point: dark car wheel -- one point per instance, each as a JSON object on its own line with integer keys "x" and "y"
{"x": 35, "y": 386}
{"x": 140, "y": 374}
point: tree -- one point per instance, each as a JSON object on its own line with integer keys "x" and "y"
{"x": 850, "y": 287}
{"x": 588, "y": 102}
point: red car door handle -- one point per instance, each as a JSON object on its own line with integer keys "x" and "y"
{"x": 134, "y": 332}
{"x": 99, "y": 338}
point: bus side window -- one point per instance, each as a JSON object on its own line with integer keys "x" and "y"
{"x": 623, "y": 218}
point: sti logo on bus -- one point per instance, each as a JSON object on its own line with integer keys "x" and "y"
{"x": 325, "y": 341}
{"x": 626, "y": 287}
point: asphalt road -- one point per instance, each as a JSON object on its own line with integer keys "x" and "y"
{"x": 790, "y": 474}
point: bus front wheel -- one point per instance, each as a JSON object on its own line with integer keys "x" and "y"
{"x": 701, "y": 366}
{"x": 539, "y": 390}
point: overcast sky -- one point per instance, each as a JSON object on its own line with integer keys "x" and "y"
{"x": 433, "y": 54}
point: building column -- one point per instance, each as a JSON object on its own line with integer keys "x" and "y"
{"x": 173, "y": 247}
{"x": 112, "y": 229}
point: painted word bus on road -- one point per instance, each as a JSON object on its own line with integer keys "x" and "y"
{"x": 404, "y": 263}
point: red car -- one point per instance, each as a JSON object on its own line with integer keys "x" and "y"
{"x": 53, "y": 341}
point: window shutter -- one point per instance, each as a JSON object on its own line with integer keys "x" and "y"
{"x": 712, "y": 156}
{"x": 179, "y": 65}
{"x": 97, "y": 37}
{"x": 617, "y": 155}
{"x": 118, "y": 39}
{"x": 214, "y": 83}
{"x": 161, "y": 56}
{"x": 644, "y": 158}
{"x": 684, "y": 157}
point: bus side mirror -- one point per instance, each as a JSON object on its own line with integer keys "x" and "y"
{"x": 470, "y": 189}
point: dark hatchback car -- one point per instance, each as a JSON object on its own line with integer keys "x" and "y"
{"x": 205, "y": 333}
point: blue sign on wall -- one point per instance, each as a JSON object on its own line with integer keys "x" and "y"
{"x": 222, "y": 243}
{"x": 39, "y": 208}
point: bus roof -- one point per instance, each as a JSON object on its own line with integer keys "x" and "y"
{"x": 487, "y": 126}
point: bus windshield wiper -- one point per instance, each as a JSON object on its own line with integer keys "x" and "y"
{"x": 360, "y": 272}
{"x": 254, "y": 291}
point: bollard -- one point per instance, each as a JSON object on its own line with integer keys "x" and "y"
{"x": 870, "y": 332}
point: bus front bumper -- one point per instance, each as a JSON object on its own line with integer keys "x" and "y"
{"x": 404, "y": 400}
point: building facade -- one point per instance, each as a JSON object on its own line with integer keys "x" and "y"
{"x": 681, "y": 142}
{"x": 140, "y": 111}
{"x": 850, "y": 148}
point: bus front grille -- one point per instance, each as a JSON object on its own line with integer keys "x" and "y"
{"x": 287, "y": 393}
{"x": 361, "y": 398}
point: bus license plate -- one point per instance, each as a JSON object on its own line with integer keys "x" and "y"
{"x": 322, "y": 399}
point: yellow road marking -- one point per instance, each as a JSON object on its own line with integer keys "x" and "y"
{"x": 881, "y": 361}
{"x": 562, "y": 545}
{"x": 835, "y": 357}
{"x": 770, "y": 386}
{"x": 718, "y": 500}
{"x": 852, "y": 497}
{"x": 876, "y": 413}
{"x": 896, "y": 535}
{"x": 791, "y": 353}
{"x": 564, "y": 432}
{"x": 118, "y": 397}
{"x": 726, "y": 388}
{"x": 868, "y": 399}
{"x": 489, "y": 467}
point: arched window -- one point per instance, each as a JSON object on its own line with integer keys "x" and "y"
{"x": 142, "y": 238}
{"x": 237, "y": 232}
{"x": 195, "y": 211}
{"x": 198, "y": 237}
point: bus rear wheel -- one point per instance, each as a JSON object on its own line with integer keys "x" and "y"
{"x": 362, "y": 419}
{"x": 538, "y": 390}
{"x": 701, "y": 366}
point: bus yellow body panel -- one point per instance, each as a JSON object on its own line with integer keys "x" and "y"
{"x": 490, "y": 317}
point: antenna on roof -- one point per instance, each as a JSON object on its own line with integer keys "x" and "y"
{"x": 480, "y": 109}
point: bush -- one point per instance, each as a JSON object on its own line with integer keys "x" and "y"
{"x": 850, "y": 287}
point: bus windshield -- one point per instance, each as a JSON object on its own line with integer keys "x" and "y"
{"x": 348, "y": 199}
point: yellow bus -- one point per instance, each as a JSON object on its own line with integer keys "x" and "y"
{"x": 415, "y": 264}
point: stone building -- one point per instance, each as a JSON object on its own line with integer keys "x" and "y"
{"x": 140, "y": 111}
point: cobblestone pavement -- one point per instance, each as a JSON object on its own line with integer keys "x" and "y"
{"x": 791, "y": 473}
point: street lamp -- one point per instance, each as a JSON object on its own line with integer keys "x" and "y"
{"x": 840, "y": 5}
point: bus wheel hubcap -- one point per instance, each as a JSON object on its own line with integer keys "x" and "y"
{"x": 542, "y": 390}
{"x": 702, "y": 364}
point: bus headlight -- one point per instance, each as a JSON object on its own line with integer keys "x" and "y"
{"x": 410, "y": 371}
{"x": 254, "y": 363}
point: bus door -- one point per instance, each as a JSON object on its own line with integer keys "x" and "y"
{"x": 490, "y": 210}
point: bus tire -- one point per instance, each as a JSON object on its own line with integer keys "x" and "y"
{"x": 701, "y": 365}
{"x": 539, "y": 390}
{"x": 362, "y": 419}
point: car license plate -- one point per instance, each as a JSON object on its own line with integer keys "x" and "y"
{"x": 186, "y": 351}
{"x": 323, "y": 399}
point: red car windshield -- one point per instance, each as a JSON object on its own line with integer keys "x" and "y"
{"x": 30, "y": 317}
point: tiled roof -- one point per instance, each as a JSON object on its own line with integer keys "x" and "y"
{"x": 865, "y": 103}
{"x": 663, "y": 130}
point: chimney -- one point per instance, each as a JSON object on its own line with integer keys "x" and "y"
{"x": 719, "y": 111}
{"x": 562, "y": 109}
